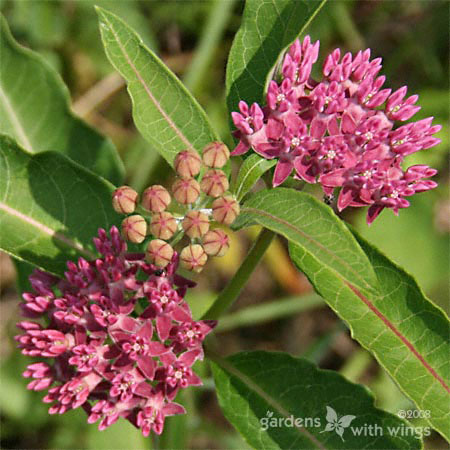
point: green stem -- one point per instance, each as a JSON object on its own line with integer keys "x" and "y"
{"x": 268, "y": 311}
{"x": 234, "y": 287}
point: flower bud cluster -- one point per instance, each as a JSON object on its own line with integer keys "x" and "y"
{"x": 201, "y": 191}
{"x": 114, "y": 336}
{"x": 341, "y": 131}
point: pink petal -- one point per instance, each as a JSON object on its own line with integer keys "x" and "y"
{"x": 180, "y": 315}
{"x": 188, "y": 358}
{"x": 148, "y": 366}
{"x": 123, "y": 362}
{"x": 144, "y": 390}
{"x": 171, "y": 409}
{"x": 146, "y": 330}
{"x": 156, "y": 348}
{"x": 128, "y": 324}
{"x": 348, "y": 125}
{"x": 274, "y": 129}
{"x": 194, "y": 380}
{"x": 396, "y": 98}
{"x": 373, "y": 213}
{"x": 345, "y": 198}
{"x": 334, "y": 179}
{"x": 168, "y": 358}
{"x": 318, "y": 127}
{"x": 163, "y": 326}
{"x": 119, "y": 336}
{"x": 240, "y": 149}
{"x": 301, "y": 169}
{"x": 282, "y": 172}
{"x": 207, "y": 325}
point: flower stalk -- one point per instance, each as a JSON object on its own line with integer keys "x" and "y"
{"x": 237, "y": 283}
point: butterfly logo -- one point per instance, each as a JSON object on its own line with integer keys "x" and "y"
{"x": 337, "y": 424}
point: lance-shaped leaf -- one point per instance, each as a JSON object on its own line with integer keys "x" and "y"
{"x": 268, "y": 26}
{"x": 163, "y": 110}
{"x": 407, "y": 333}
{"x": 278, "y": 402}
{"x": 34, "y": 107}
{"x": 304, "y": 220}
{"x": 50, "y": 207}
{"x": 249, "y": 173}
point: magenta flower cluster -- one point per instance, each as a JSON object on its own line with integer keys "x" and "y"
{"x": 116, "y": 337}
{"x": 342, "y": 131}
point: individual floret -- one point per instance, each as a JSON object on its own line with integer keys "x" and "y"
{"x": 134, "y": 228}
{"x": 155, "y": 198}
{"x": 124, "y": 200}
{"x": 216, "y": 243}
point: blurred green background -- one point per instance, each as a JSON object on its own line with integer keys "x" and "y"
{"x": 277, "y": 310}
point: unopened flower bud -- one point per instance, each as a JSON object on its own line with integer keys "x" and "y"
{"x": 193, "y": 257}
{"x": 195, "y": 224}
{"x": 134, "y": 228}
{"x": 163, "y": 225}
{"x": 225, "y": 209}
{"x": 216, "y": 155}
{"x": 216, "y": 243}
{"x": 159, "y": 252}
{"x": 186, "y": 191}
{"x": 155, "y": 198}
{"x": 124, "y": 200}
{"x": 187, "y": 164}
{"x": 214, "y": 183}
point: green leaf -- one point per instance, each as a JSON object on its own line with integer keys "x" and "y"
{"x": 23, "y": 272}
{"x": 249, "y": 173}
{"x": 407, "y": 333}
{"x": 277, "y": 401}
{"x": 34, "y": 106}
{"x": 305, "y": 221}
{"x": 268, "y": 26}
{"x": 163, "y": 110}
{"x": 50, "y": 207}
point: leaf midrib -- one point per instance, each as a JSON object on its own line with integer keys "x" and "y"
{"x": 47, "y": 230}
{"x": 263, "y": 394}
{"x": 310, "y": 239}
{"x": 15, "y": 121}
{"x": 398, "y": 333}
{"x": 152, "y": 98}
{"x": 245, "y": 177}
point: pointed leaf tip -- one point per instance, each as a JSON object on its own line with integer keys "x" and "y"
{"x": 154, "y": 90}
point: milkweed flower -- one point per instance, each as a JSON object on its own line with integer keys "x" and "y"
{"x": 344, "y": 131}
{"x": 115, "y": 337}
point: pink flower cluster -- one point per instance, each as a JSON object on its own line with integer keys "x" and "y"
{"x": 118, "y": 339}
{"x": 341, "y": 132}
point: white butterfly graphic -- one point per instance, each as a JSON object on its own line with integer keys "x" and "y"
{"x": 335, "y": 424}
